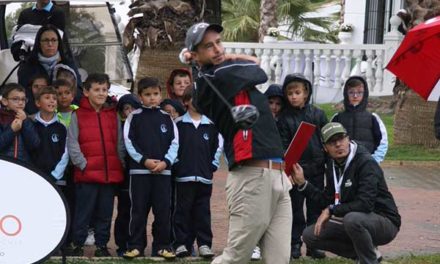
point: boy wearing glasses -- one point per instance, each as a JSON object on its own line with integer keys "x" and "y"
{"x": 17, "y": 132}
{"x": 362, "y": 126}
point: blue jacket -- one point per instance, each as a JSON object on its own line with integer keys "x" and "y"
{"x": 150, "y": 133}
{"x": 17, "y": 144}
{"x": 199, "y": 152}
{"x": 51, "y": 157}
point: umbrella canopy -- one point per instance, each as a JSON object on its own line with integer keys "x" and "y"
{"x": 417, "y": 60}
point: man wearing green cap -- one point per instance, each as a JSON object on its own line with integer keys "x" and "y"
{"x": 359, "y": 213}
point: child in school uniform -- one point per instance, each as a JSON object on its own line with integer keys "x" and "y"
{"x": 126, "y": 104}
{"x": 200, "y": 148}
{"x": 36, "y": 83}
{"x": 152, "y": 141}
{"x": 173, "y": 107}
{"x": 51, "y": 157}
{"x": 178, "y": 82}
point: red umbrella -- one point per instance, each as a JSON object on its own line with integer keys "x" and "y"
{"x": 417, "y": 60}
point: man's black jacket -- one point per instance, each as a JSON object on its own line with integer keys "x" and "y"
{"x": 363, "y": 188}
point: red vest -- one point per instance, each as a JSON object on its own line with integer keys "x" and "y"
{"x": 98, "y": 140}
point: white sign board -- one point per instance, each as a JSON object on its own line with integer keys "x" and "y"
{"x": 33, "y": 215}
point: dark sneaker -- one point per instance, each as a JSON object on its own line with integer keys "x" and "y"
{"x": 131, "y": 254}
{"x": 74, "y": 251}
{"x": 120, "y": 252}
{"x": 102, "y": 252}
{"x": 166, "y": 254}
{"x": 295, "y": 252}
{"x": 205, "y": 252}
{"x": 182, "y": 251}
{"x": 315, "y": 253}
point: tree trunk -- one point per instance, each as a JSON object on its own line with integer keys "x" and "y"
{"x": 414, "y": 122}
{"x": 268, "y": 10}
{"x": 163, "y": 27}
{"x": 414, "y": 118}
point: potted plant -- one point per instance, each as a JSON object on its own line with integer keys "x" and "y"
{"x": 271, "y": 35}
{"x": 345, "y": 33}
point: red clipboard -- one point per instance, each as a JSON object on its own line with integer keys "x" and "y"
{"x": 298, "y": 145}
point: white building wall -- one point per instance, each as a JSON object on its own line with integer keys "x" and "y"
{"x": 355, "y": 15}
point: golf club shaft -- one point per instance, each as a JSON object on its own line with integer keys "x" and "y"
{"x": 213, "y": 87}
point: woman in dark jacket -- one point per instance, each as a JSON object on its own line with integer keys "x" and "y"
{"x": 47, "y": 52}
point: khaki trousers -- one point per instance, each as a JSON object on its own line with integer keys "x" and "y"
{"x": 260, "y": 212}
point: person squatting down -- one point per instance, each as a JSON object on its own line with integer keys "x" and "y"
{"x": 359, "y": 212}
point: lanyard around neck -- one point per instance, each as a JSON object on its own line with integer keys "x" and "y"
{"x": 338, "y": 183}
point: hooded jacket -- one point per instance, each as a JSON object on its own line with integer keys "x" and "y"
{"x": 128, "y": 99}
{"x": 313, "y": 158}
{"x": 178, "y": 106}
{"x": 363, "y": 188}
{"x": 362, "y": 126}
{"x": 170, "y": 81}
{"x": 18, "y": 144}
{"x": 236, "y": 81}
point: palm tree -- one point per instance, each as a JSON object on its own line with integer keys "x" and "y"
{"x": 241, "y": 19}
{"x": 413, "y": 120}
{"x": 158, "y": 28}
{"x": 268, "y": 18}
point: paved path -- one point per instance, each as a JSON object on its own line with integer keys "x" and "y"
{"x": 416, "y": 189}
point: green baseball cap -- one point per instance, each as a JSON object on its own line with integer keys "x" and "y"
{"x": 331, "y": 129}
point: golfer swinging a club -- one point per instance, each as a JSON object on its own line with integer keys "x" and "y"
{"x": 257, "y": 191}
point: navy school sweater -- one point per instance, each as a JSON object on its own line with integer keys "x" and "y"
{"x": 150, "y": 133}
{"x": 51, "y": 156}
{"x": 199, "y": 152}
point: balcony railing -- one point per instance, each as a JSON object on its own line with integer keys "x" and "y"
{"x": 327, "y": 66}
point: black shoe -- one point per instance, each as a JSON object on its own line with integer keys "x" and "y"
{"x": 295, "y": 251}
{"x": 102, "y": 252}
{"x": 315, "y": 253}
{"x": 74, "y": 251}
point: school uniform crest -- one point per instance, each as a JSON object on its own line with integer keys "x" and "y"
{"x": 55, "y": 138}
{"x": 348, "y": 183}
{"x": 163, "y": 128}
{"x": 206, "y": 136}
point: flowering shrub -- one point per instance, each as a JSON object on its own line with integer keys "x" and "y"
{"x": 346, "y": 27}
{"x": 273, "y": 32}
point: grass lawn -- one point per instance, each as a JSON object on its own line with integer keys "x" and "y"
{"x": 396, "y": 152}
{"x": 426, "y": 259}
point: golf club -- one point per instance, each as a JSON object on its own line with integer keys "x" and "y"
{"x": 244, "y": 116}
